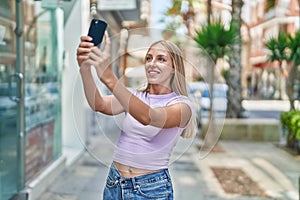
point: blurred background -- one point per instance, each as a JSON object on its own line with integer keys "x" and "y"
{"x": 246, "y": 52}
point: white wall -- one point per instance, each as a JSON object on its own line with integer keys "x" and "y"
{"x": 158, "y": 7}
{"x": 74, "y": 105}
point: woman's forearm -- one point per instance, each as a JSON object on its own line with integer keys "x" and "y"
{"x": 133, "y": 105}
{"x": 91, "y": 91}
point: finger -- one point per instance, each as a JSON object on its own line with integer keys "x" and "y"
{"x": 95, "y": 53}
{"x": 81, "y": 51}
{"x": 86, "y": 38}
{"x": 89, "y": 62}
{"x": 94, "y": 56}
{"x": 98, "y": 58}
{"x": 107, "y": 43}
{"x": 86, "y": 44}
{"x": 81, "y": 59}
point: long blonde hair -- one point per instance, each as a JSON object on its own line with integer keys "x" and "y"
{"x": 178, "y": 82}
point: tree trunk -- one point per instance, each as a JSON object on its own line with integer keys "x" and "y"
{"x": 290, "y": 85}
{"x": 234, "y": 108}
{"x": 209, "y": 11}
{"x": 299, "y": 11}
{"x": 210, "y": 135}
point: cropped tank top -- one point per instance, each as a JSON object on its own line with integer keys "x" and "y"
{"x": 148, "y": 147}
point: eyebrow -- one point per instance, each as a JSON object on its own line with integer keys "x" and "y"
{"x": 164, "y": 55}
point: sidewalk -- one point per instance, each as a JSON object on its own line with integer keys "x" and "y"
{"x": 275, "y": 171}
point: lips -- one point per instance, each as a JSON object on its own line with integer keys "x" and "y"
{"x": 153, "y": 72}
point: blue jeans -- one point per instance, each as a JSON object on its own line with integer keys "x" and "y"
{"x": 156, "y": 185}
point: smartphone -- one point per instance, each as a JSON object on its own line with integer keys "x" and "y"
{"x": 97, "y": 30}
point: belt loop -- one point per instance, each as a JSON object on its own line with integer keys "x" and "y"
{"x": 135, "y": 186}
{"x": 167, "y": 173}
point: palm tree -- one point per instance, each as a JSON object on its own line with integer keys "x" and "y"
{"x": 209, "y": 10}
{"x": 216, "y": 41}
{"x": 278, "y": 51}
{"x": 233, "y": 79}
{"x": 294, "y": 52}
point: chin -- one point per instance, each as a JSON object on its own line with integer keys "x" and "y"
{"x": 151, "y": 81}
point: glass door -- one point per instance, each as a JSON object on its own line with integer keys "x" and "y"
{"x": 31, "y": 55}
{"x": 10, "y": 82}
{"x": 42, "y": 83}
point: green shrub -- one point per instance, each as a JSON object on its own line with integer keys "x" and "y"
{"x": 290, "y": 122}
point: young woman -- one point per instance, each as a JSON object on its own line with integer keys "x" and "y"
{"x": 155, "y": 118}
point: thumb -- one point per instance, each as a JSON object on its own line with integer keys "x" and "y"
{"x": 107, "y": 43}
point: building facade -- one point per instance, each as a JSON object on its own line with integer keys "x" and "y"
{"x": 262, "y": 21}
{"x": 45, "y": 119}
{"x": 31, "y": 63}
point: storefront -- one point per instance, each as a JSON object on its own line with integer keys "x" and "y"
{"x": 31, "y": 58}
{"x": 44, "y": 123}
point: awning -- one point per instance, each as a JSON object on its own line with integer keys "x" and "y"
{"x": 258, "y": 61}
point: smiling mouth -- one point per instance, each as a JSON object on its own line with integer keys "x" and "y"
{"x": 153, "y": 72}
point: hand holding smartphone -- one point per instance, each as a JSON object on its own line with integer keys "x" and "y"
{"x": 97, "y": 30}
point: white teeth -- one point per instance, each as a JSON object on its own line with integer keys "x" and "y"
{"x": 152, "y": 72}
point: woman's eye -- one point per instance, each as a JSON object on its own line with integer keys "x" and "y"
{"x": 148, "y": 58}
{"x": 161, "y": 59}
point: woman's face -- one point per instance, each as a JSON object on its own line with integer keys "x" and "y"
{"x": 159, "y": 67}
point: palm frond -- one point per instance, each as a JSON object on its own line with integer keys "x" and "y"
{"x": 294, "y": 46}
{"x": 278, "y": 47}
{"x": 216, "y": 39}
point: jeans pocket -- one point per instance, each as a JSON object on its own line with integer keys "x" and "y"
{"x": 156, "y": 190}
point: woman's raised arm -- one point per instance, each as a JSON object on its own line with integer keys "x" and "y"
{"x": 164, "y": 117}
{"x": 105, "y": 104}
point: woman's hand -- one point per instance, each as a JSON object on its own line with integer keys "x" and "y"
{"x": 84, "y": 49}
{"x": 89, "y": 55}
{"x": 101, "y": 60}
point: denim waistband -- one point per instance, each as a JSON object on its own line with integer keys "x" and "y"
{"x": 142, "y": 179}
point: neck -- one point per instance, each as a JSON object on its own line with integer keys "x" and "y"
{"x": 158, "y": 89}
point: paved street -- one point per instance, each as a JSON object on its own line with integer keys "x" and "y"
{"x": 275, "y": 170}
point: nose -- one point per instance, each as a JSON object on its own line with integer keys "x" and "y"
{"x": 156, "y": 61}
{"x": 151, "y": 62}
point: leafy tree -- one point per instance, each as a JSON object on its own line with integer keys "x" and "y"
{"x": 174, "y": 19}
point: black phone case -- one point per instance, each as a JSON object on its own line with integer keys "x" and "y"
{"x": 97, "y": 30}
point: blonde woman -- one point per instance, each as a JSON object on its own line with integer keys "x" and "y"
{"x": 155, "y": 118}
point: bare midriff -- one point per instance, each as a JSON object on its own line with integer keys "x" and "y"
{"x": 131, "y": 172}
